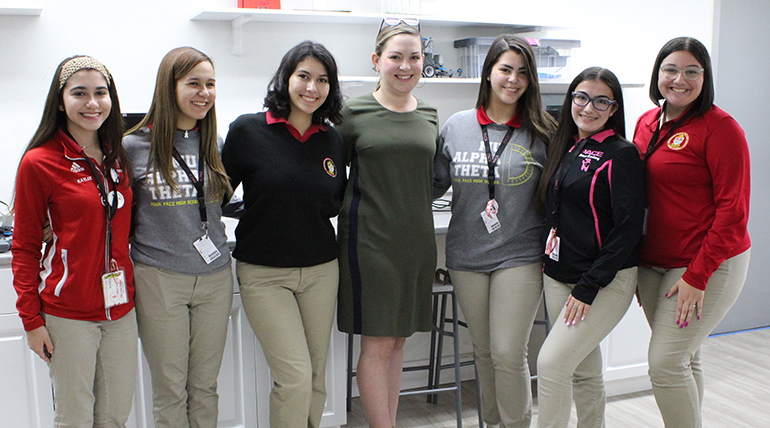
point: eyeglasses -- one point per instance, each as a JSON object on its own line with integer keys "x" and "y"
{"x": 581, "y": 99}
{"x": 690, "y": 73}
{"x": 392, "y": 21}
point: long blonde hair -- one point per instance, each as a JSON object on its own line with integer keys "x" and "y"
{"x": 163, "y": 115}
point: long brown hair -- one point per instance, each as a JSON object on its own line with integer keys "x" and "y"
{"x": 163, "y": 115}
{"x": 110, "y": 133}
{"x": 539, "y": 123}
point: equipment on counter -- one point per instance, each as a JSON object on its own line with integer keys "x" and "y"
{"x": 432, "y": 65}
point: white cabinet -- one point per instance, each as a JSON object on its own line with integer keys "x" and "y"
{"x": 244, "y": 380}
{"x": 25, "y": 391}
{"x": 624, "y": 352}
{"x": 238, "y": 403}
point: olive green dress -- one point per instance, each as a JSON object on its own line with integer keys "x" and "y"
{"x": 385, "y": 231}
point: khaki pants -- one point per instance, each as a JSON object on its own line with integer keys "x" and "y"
{"x": 93, "y": 370}
{"x": 674, "y": 354}
{"x": 291, "y": 311}
{"x": 570, "y": 361}
{"x": 500, "y": 308}
{"x": 183, "y": 323}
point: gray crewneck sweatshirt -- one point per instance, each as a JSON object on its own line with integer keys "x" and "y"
{"x": 461, "y": 163}
{"x": 165, "y": 223}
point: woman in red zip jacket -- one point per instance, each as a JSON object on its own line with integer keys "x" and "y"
{"x": 76, "y": 294}
{"x": 695, "y": 253}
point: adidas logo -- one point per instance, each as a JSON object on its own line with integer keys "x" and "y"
{"x": 76, "y": 167}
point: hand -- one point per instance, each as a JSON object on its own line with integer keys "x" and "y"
{"x": 688, "y": 300}
{"x": 37, "y": 339}
{"x": 576, "y": 311}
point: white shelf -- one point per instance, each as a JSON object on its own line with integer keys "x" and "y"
{"x": 239, "y": 16}
{"x": 430, "y": 80}
{"x": 546, "y": 87}
{"x": 20, "y": 11}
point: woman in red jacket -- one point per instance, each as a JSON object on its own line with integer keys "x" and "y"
{"x": 76, "y": 300}
{"x": 695, "y": 253}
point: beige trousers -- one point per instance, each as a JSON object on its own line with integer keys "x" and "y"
{"x": 291, "y": 311}
{"x": 500, "y": 308}
{"x": 183, "y": 322}
{"x": 674, "y": 353}
{"x": 93, "y": 370}
{"x": 570, "y": 362}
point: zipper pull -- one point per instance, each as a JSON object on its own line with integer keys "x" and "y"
{"x": 186, "y": 135}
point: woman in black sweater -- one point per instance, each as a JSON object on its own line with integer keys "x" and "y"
{"x": 287, "y": 159}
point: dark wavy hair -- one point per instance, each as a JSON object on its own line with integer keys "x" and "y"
{"x": 539, "y": 123}
{"x": 565, "y": 133}
{"x": 706, "y": 98}
{"x": 278, "y": 99}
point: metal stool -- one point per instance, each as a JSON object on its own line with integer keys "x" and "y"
{"x": 442, "y": 289}
{"x": 442, "y": 277}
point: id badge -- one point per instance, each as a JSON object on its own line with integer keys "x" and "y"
{"x": 552, "y": 245}
{"x": 489, "y": 216}
{"x": 207, "y": 249}
{"x": 114, "y": 288}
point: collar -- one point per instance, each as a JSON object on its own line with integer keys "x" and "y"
{"x": 71, "y": 148}
{"x": 600, "y": 136}
{"x": 314, "y": 128}
{"x": 658, "y": 120}
{"x": 481, "y": 116}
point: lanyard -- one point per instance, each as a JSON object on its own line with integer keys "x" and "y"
{"x": 109, "y": 210}
{"x": 197, "y": 182}
{"x": 561, "y": 174}
{"x": 492, "y": 160}
{"x": 653, "y": 145}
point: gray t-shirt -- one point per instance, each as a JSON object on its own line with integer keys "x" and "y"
{"x": 462, "y": 163}
{"x": 167, "y": 223}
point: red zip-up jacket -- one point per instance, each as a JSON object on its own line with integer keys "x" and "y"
{"x": 698, "y": 188}
{"x": 54, "y": 181}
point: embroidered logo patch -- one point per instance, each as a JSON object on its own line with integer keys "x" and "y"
{"x": 678, "y": 141}
{"x": 76, "y": 167}
{"x": 329, "y": 167}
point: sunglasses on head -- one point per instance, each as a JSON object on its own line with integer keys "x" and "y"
{"x": 393, "y": 21}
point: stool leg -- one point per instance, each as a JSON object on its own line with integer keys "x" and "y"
{"x": 478, "y": 392}
{"x": 349, "y": 398}
{"x": 440, "y": 350}
{"x": 432, "y": 355}
{"x": 458, "y": 379}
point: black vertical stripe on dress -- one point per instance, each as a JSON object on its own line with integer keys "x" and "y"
{"x": 355, "y": 271}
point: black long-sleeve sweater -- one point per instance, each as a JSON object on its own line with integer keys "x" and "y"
{"x": 600, "y": 213}
{"x": 291, "y": 190}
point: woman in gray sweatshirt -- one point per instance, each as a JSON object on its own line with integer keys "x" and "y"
{"x": 492, "y": 156}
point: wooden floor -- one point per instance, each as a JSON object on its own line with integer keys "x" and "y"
{"x": 737, "y": 368}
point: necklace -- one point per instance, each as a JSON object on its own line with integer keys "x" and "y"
{"x": 88, "y": 146}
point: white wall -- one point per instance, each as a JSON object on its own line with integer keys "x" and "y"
{"x": 741, "y": 41}
{"x": 131, "y": 37}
